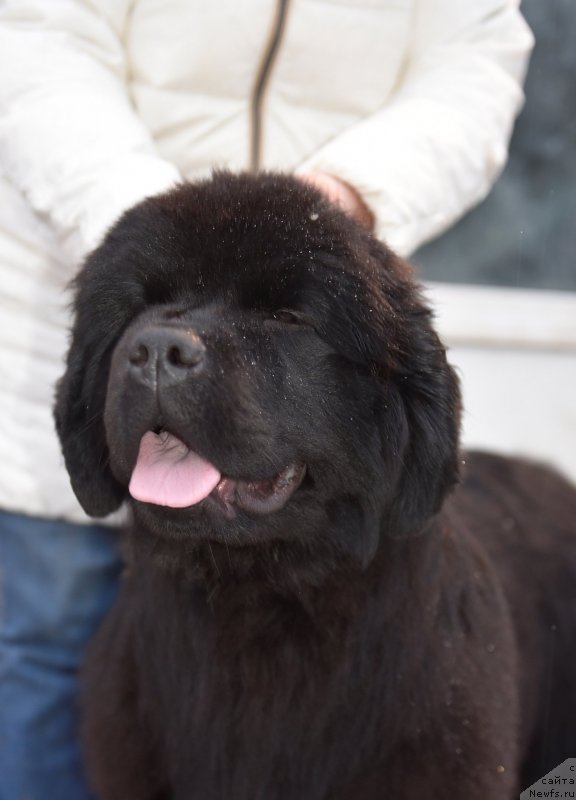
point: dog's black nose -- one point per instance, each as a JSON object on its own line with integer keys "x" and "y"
{"x": 167, "y": 353}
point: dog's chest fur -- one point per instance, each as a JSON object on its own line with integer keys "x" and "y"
{"x": 251, "y": 664}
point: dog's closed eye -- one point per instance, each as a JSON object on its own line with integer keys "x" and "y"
{"x": 290, "y": 317}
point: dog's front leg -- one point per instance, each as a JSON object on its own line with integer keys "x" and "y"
{"x": 121, "y": 757}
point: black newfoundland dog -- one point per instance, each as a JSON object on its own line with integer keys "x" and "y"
{"x": 311, "y": 609}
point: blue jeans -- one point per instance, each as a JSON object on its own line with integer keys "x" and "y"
{"x": 57, "y": 580}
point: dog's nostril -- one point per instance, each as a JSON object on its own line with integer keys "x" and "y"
{"x": 139, "y": 356}
{"x": 184, "y": 356}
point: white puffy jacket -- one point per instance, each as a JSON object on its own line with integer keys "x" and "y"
{"x": 104, "y": 102}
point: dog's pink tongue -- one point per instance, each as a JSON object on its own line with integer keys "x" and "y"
{"x": 167, "y": 473}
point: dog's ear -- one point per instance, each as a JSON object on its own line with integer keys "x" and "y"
{"x": 78, "y": 413}
{"x": 81, "y": 392}
{"x": 430, "y": 395}
{"x": 413, "y": 359}
{"x": 106, "y": 297}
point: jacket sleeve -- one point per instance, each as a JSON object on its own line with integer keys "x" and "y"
{"x": 70, "y": 140}
{"x": 437, "y": 146}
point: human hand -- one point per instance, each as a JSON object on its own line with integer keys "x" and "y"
{"x": 342, "y": 195}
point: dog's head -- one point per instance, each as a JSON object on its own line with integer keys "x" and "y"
{"x": 247, "y": 364}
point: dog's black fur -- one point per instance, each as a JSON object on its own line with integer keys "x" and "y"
{"x": 373, "y": 638}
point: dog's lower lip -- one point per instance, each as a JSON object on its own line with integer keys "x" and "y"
{"x": 257, "y": 497}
